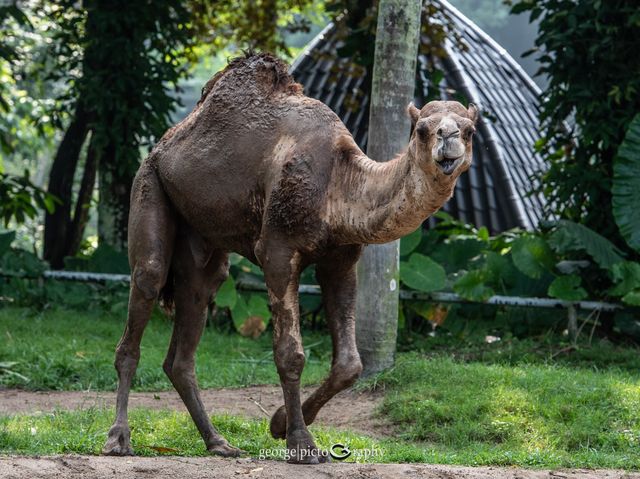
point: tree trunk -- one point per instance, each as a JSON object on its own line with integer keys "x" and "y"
{"x": 81, "y": 214}
{"x": 393, "y": 84}
{"x": 115, "y": 192}
{"x": 56, "y": 224}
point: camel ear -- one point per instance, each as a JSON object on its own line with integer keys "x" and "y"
{"x": 414, "y": 114}
{"x": 472, "y": 111}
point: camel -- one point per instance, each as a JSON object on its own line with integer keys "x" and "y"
{"x": 259, "y": 169}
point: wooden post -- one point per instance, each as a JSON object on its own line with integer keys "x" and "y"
{"x": 393, "y": 84}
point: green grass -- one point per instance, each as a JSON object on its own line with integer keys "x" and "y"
{"x": 530, "y": 403}
{"x": 597, "y": 355}
{"x": 70, "y": 350}
{"x": 166, "y": 432}
{"x": 153, "y": 433}
{"x": 531, "y": 414}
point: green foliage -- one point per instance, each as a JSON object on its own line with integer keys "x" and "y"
{"x": 356, "y": 22}
{"x": 104, "y": 259}
{"x": 20, "y": 199}
{"x": 588, "y": 51}
{"x": 256, "y": 304}
{"x": 570, "y": 236}
{"x": 626, "y": 276}
{"x": 422, "y": 273}
{"x": 532, "y": 256}
{"x": 567, "y": 288}
{"x": 473, "y": 286}
{"x": 249, "y": 24}
{"x": 626, "y": 185}
{"x": 567, "y": 261}
{"x": 23, "y": 283}
{"x": 410, "y": 242}
{"x": 226, "y": 297}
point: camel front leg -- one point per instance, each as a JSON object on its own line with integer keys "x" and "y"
{"x": 282, "y": 272}
{"x": 336, "y": 274}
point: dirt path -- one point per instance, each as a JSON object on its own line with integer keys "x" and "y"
{"x": 72, "y": 467}
{"x": 349, "y": 410}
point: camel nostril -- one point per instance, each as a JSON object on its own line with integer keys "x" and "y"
{"x": 439, "y": 131}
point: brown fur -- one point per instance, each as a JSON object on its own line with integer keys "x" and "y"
{"x": 261, "y": 170}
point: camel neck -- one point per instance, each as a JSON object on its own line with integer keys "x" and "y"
{"x": 378, "y": 202}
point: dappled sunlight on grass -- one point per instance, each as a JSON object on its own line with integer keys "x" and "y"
{"x": 531, "y": 415}
{"x": 165, "y": 432}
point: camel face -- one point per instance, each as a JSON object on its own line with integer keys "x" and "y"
{"x": 442, "y": 138}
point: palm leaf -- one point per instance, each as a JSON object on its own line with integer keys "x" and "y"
{"x": 570, "y": 236}
{"x": 626, "y": 185}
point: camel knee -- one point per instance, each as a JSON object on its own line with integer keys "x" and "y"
{"x": 346, "y": 372}
{"x": 290, "y": 363}
{"x": 149, "y": 276}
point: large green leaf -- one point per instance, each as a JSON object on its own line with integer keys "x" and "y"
{"x": 456, "y": 253}
{"x": 627, "y": 277}
{"x": 473, "y": 286}
{"x": 626, "y": 185}
{"x": 532, "y": 256}
{"x": 255, "y": 305}
{"x": 632, "y": 298}
{"x": 567, "y": 288}
{"x": 226, "y": 296}
{"x": 499, "y": 269}
{"x": 410, "y": 242}
{"x": 570, "y": 236}
{"x": 422, "y": 273}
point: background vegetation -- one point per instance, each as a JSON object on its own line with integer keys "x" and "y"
{"x": 89, "y": 91}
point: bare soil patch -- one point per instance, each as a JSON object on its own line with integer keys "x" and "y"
{"x": 348, "y": 410}
{"x": 98, "y": 467}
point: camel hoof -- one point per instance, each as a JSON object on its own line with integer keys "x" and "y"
{"x": 226, "y": 450}
{"x": 118, "y": 442}
{"x": 278, "y": 424}
{"x": 302, "y": 450}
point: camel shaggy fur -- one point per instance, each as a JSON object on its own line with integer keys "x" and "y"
{"x": 262, "y": 170}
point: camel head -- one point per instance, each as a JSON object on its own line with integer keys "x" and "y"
{"x": 442, "y": 136}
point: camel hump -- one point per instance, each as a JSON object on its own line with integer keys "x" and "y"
{"x": 264, "y": 69}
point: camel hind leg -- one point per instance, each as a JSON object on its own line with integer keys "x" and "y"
{"x": 195, "y": 283}
{"x": 151, "y": 238}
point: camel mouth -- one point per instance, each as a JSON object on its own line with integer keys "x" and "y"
{"x": 448, "y": 165}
